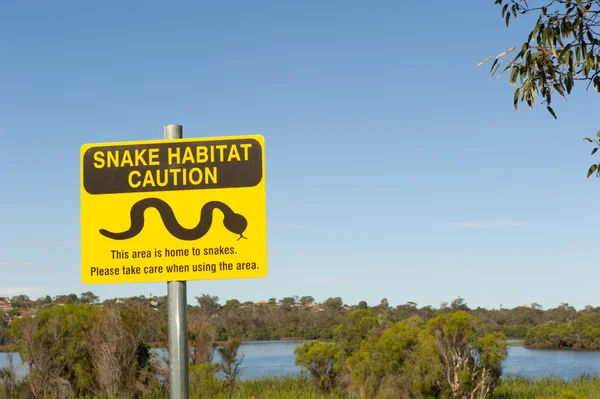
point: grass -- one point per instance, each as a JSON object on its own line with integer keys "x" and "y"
{"x": 510, "y": 388}
{"x": 282, "y": 388}
{"x": 515, "y": 343}
{"x": 260, "y": 388}
{"x": 584, "y": 387}
{"x": 296, "y": 387}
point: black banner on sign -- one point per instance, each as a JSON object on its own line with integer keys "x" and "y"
{"x": 172, "y": 165}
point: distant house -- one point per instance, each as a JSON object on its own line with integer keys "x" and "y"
{"x": 6, "y": 307}
{"x": 262, "y": 303}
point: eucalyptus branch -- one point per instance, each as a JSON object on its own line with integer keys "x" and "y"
{"x": 566, "y": 50}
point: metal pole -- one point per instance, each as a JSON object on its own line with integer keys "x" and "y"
{"x": 178, "y": 323}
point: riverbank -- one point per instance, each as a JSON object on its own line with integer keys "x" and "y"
{"x": 155, "y": 345}
{"x": 6, "y": 348}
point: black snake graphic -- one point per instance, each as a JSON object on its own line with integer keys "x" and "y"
{"x": 233, "y": 222}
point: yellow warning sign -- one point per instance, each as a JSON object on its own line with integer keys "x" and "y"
{"x": 164, "y": 210}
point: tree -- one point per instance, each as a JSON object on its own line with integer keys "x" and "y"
{"x": 10, "y": 386}
{"x": 536, "y": 306}
{"x": 401, "y": 363}
{"x": 407, "y": 310}
{"x": 459, "y": 304}
{"x": 232, "y": 303}
{"x": 471, "y": 365}
{"x": 318, "y": 359}
{"x": 363, "y": 305}
{"x": 306, "y": 300}
{"x": 71, "y": 298}
{"x": 89, "y": 297}
{"x": 287, "y": 303}
{"x": 79, "y": 350}
{"x": 20, "y": 301}
{"x": 566, "y": 49}
{"x": 230, "y": 363}
{"x": 201, "y": 337}
{"x": 333, "y": 303}
{"x": 358, "y": 325}
{"x": 384, "y": 304}
{"x": 208, "y": 304}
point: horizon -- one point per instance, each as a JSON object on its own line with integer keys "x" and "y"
{"x": 192, "y": 301}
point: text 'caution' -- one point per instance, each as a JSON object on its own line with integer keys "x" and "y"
{"x": 172, "y": 165}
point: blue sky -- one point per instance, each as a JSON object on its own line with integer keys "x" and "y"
{"x": 396, "y": 167}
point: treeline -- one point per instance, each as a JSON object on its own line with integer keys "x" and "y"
{"x": 304, "y": 318}
{"x": 581, "y": 333}
{"x": 301, "y": 317}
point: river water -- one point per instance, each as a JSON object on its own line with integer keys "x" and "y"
{"x": 276, "y": 358}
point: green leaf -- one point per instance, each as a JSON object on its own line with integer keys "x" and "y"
{"x": 598, "y": 133}
{"x": 571, "y": 62}
{"x": 569, "y": 83}
{"x": 494, "y": 70}
{"x": 493, "y": 65}
{"x": 580, "y": 4}
{"x": 594, "y": 150}
{"x": 524, "y": 49}
{"x": 589, "y": 64}
{"x": 551, "y": 111}
{"x": 564, "y": 51}
{"x": 588, "y": 139}
{"x": 513, "y": 75}
{"x": 592, "y": 169}
{"x": 506, "y": 68}
{"x": 559, "y": 89}
{"x": 485, "y": 60}
{"x": 516, "y": 99}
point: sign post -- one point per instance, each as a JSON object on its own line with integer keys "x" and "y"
{"x": 177, "y": 318}
{"x": 174, "y": 210}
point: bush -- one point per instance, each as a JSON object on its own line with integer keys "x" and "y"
{"x": 318, "y": 358}
{"x": 401, "y": 363}
{"x": 204, "y": 383}
{"x": 471, "y": 364}
{"x": 80, "y": 349}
